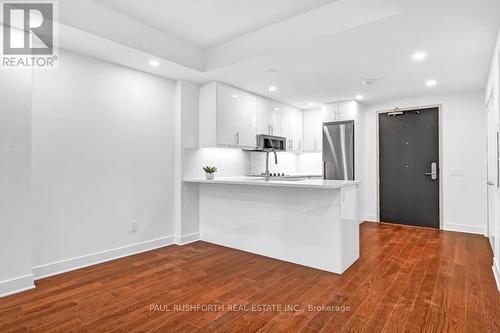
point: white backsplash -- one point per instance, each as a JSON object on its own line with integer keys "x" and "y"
{"x": 287, "y": 163}
{"x": 232, "y": 162}
{"x": 310, "y": 163}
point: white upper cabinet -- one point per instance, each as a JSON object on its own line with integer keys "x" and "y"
{"x": 319, "y": 119}
{"x": 308, "y": 131}
{"x": 231, "y": 117}
{"x": 268, "y": 117}
{"x": 227, "y": 116}
{"x": 314, "y": 119}
{"x": 299, "y": 146}
{"x": 340, "y": 111}
{"x": 312, "y": 129}
{"x": 291, "y": 121}
{"x": 236, "y": 117}
{"x": 347, "y": 110}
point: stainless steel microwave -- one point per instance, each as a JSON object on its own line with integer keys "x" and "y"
{"x": 265, "y": 142}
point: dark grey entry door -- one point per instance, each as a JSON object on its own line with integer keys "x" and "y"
{"x": 409, "y": 168}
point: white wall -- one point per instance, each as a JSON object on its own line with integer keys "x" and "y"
{"x": 15, "y": 145}
{"x": 463, "y": 147}
{"x": 103, "y": 138}
{"x": 186, "y": 136}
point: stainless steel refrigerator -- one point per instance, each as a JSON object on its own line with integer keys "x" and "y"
{"x": 338, "y": 150}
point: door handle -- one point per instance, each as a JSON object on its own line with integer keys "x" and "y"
{"x": 491, "y": 183}
{"x": 433, "y": 172}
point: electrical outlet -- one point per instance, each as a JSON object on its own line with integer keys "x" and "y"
{"x": 134, "y": 225}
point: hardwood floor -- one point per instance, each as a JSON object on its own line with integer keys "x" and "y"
{"x": 407, "y": 279}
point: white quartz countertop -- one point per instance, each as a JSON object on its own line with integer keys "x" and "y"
{"x": 253, "y": 181}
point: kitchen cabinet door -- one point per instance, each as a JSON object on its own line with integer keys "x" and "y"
{"x": 263, "y": 116}
{"x": 330, "y": 112}
{"x": 236, "y": 117}
{"x": 275, "y": 119}
{"x": 347, "y": 110}
{"x": 300, "y": 132}
{"x": 308, "y": 131}
{"x": 319, "y": 119}
{"x": 268, "y": 117}
{"x": 289, "y": 127}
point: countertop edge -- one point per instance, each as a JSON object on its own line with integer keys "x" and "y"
{"x": 296, "y": 184}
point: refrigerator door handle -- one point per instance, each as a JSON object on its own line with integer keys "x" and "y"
{"x": 324, "y": 169}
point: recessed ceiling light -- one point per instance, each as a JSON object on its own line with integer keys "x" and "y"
{"x": 272, "y": 88}
{"x": 312, "y": 104}
{"x": 359, "y": 97}
{"x": 430, "y": 83}
{"x": 276, "y": 108}
{"x": 419, "y": 56}
{"x": 154, "y": 63}
{"x": 234, "y": 96}
{"x": 369, "y": 81}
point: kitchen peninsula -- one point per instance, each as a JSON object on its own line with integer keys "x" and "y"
{"x": 311, "y": 222}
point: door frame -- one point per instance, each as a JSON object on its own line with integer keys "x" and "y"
{"x": 490, "y": 103}
{"x": 440, "y": 143}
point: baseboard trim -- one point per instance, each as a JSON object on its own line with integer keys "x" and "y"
{"x": 16, "y": 285}
{"x": 186, "y": 239}
{"x": 463, "y": 228}
{"x": 369, "y": 218}
{"x": 496, "y": 273}
{"x": 72, "y": 264}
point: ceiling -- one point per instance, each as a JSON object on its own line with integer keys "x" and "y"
{"x": 322, "y": 50}
{"x": 457, "y": 36}
{"x": 206, "y": 23}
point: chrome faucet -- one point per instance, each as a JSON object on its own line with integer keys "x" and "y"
{"x": 267, "y": 174}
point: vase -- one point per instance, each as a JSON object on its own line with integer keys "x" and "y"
{"x": 210, "y": 176}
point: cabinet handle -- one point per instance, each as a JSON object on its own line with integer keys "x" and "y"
{"x": 237, "y": 138}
